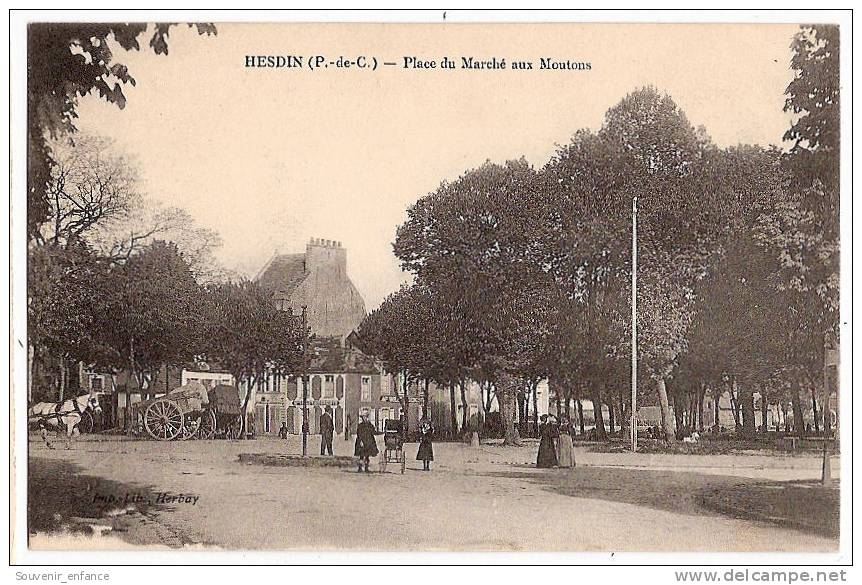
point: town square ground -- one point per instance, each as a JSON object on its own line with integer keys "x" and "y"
{"x": 119, "y": 493}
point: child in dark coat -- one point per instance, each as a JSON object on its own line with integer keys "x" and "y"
{"x": 426, "y": 448}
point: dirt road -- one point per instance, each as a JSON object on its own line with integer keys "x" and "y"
{"x": 490, "y": 498}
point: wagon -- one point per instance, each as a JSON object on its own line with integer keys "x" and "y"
{"x": 189, "y": 412}
{"x": 224, "y": 415}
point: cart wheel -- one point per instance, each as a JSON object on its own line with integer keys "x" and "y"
{"x": 86, "y": 424}
{"x": 163, "y": 420}
{"x": 207, "y": 425}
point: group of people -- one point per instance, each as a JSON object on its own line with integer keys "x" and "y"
{"x": 366, "y": 443}
{"x": 555, "y": 443}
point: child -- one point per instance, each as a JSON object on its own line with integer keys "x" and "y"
{"x": 426, "y": 448}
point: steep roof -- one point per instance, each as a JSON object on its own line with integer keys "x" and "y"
{"x": 318, "y": 282}
{"x": 330, "y": 356}
{"x": 283, "y": 274}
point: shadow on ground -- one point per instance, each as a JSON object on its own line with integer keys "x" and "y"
{"x": 61, "y": 499}
{"x": 799, "y": 505}
{"x": 806, "y": 506}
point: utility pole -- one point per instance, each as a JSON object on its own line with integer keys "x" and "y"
{"x": 634, "y": 425}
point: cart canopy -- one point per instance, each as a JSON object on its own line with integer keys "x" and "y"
{"x": 224, "y": 399}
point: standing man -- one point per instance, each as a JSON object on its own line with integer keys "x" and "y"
{"x": 326, "y": 429}
{"x": 366, "y": 445}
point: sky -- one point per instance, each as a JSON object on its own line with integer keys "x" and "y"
{"x": 271, "y": 157}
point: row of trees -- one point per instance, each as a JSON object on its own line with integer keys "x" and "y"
{"x": 116, "y": 281}
{"x": 523, "y": 274}
{"x": 148, "y": 313}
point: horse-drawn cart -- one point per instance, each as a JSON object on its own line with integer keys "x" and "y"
{"x": 188, "y": 412}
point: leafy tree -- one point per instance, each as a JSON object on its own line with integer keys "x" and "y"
{"x": 247, "y": 335}
{"x": 474, "y": 244}
{"x": 815, "y": 94}
{"x": 396, "y": 333}
{"x": 805, "y": 229}
{"x": 154, "y": 316}
{"x": 65, "y": 305}
{"x": 66, "y": 61}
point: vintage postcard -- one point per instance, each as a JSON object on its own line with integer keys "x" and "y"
{"x": 441, "y": 286}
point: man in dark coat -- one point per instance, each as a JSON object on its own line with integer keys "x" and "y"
{"x": 366, "y": 444}
{"x": 547, "y": 456}
{"x": 326, "y": 429}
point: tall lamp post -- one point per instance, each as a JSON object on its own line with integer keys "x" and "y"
{"x": 634, "y": 423}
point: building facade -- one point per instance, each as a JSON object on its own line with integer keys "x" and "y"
{"x": 317, "y": 281}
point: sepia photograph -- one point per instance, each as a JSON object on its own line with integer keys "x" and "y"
{"x": 447, "y": 286}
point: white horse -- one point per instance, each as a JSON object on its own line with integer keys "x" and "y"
{"x": 69, "y": 413}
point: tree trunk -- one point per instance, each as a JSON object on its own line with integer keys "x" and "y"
{"x": 595, "y": 395}
{"x": 506, "y": 385}
{"x": 796, "y": 402}
{"x": 403, "y": 400}
{"x": 581, "y": 415}
{"x": 425, "y": 400}
{"x": 612, "y": 427}
{"x": 557, "y": 400}
{"x": 700, "y": 398}
{"x": 764, "y": 411}
{"x": 734, "y": 404}
{"x": 677, "y": 409}
{"x": 535, "y": 409}
{"x": 243, "y": 422}
{"x": 624, "y": 418}
{"x": 716, "y": 414}
{"x": 453, "y": 415}
{"x": 814, "y": 411}
{"x": 746, "y": 401}
{"x": 464, "y": 412}
{"x": 61, "y": 365}
{"x": 666, "y": 420}
{"x": 520, "y": 400}
{"x": 491, "y": 391}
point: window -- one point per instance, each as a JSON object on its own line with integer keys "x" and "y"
{"x": 365, "y": 395}
{"x": 96, "y": 383}
{"x": 385, "y": 413}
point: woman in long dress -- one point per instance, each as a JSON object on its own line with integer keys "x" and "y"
{"x": 426, "y": 448}
{"x": 547, "y": 456}
{"x": 567, "y": 451}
